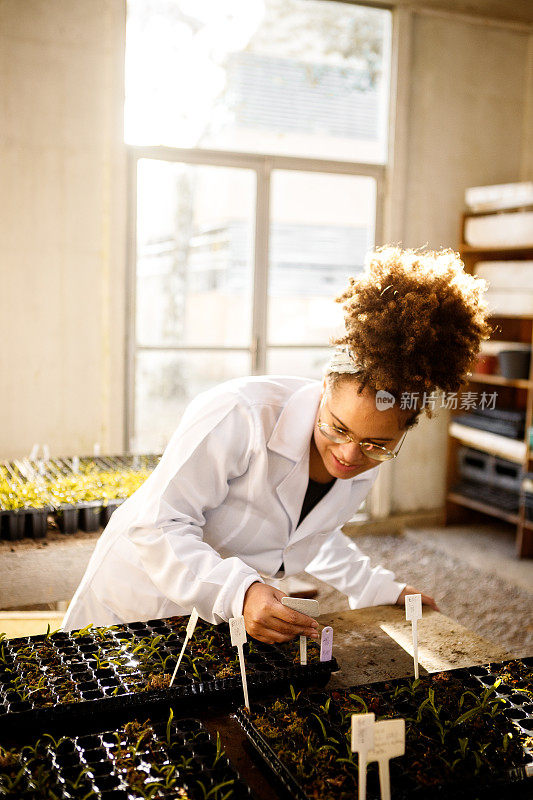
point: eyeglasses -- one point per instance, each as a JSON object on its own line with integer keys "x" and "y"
{"x": 369, "y": 449}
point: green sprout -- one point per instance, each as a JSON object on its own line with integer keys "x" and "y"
{"x": 169, "y": 725}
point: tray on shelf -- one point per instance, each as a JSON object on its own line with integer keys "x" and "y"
{"x": 81, "y": 493}
{"x": 507, "y": 425}
{"x": 495, "y": 496}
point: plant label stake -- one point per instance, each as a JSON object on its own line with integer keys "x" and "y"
{"x": 362, "y": 743}
{"x": 191, "y": 625}
{"x": 238, "y": 638}
{"x": 326, "y": 644}
{"x": 389, "y": 742}
{"x": 413, "y": 611}
{"x": 309, "y": 607}
{"x": 76, "y": 465}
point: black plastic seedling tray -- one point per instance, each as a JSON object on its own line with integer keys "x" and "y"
{"x": 302, "y": 735}
{"x": 33, "y": 522}
{"x": 13, "y": 524}
{"x": 161, "y": 757}
{"x": 21, "y": 522}
{"x": 50, "y": 678}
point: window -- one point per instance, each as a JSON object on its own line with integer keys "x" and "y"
{"x": 261, "y": 195}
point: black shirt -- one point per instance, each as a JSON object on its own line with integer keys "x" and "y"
{"x": 314, "y": 494}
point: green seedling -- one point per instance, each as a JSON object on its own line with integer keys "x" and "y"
{"x": 294, "y": 695}
{"x": 55, "y": 742}
{"x": 75, "y": 784}
{"x": 359, "y": 700}
{"x": 219, "y": 753}
{"x": 215, "y": 790}
{"x": 169, "y": 725}
{"x": 82, "y": 631}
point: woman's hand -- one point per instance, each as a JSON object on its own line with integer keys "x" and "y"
{"x": 268, "y": 620}
{"x": 426, "y": 599}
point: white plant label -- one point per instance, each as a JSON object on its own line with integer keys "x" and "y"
{"x": 326, "y": 644}
{"x": 304, "y": 606}
{"x": 413, "y": 612}
{"x": 362, "y": 732}
{"x": 46, "y": 452}
{"x": 191, "y": 625}
{"x": 389, "y": 739}
{"x": 303, "y": 650}
{"x": 309, "y": 607}
{"x": 389, "y": 742}
{"x": 76, "y": 464}
{"x": 238, "y": 637}
{"x": 413, "y": 606}
{"x": 362, "y": 742}
{"x": 237, "y": 631}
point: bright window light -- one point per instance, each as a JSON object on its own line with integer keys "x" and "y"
{"x": 291, "y": 77}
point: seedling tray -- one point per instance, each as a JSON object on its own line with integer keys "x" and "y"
{"x": 511, "y": 428}
{"x": 493, "y": 495}
{"x": 467, "y": 735}
{"x": 20, "y": 522}
{"x": 161, "y": 757}
{"x": 43, "y": 488}
{"x": 52, "y": 677}
{"x": 33, "y": 522}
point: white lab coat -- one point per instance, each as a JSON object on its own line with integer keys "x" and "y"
{"x": 221, "y": 511}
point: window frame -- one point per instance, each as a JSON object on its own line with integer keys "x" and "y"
{"x": 263, "y": 166}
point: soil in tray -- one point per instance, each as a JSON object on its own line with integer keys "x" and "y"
{"x": 171, "y": 758}
{"x": 459, "y": 735}
{"x": 517, "y": 674}
{"x": 104, "y": 663}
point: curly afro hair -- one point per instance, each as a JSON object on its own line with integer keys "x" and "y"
{"x": 414, "y": 320}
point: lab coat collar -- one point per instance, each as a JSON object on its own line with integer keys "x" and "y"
{"x": 291, "y": 438}
{"x": 293, "y": 430}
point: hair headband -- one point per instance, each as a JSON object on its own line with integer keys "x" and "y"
{"x": 343, "y": 361}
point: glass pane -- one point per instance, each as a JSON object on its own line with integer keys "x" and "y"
{"x": 165, "y": 383}
{"x": 294, "y": 77}
{"x": 321, "y": 229}
{"x": 195, "y": 236}
{"x": 304, "y": 363}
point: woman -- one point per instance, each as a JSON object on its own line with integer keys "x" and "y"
{"x": 262, "y": 472}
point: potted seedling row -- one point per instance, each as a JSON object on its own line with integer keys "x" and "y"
{"x": 130, "y": 666}
{"x": 81, "y": 494}
{"x": 468, "y": 734}
{"x": 152, "y": 758}
{"x": 24, "y": 507}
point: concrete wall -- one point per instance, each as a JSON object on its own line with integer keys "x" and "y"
{"x": 469, "y": 96}
{"x": 62, "y": 224}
